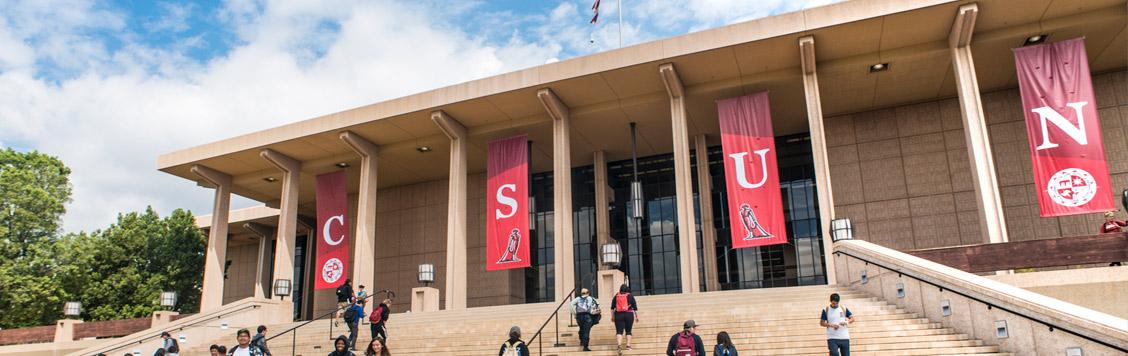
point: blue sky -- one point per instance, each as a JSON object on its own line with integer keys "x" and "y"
{"x": 109, "y": 85}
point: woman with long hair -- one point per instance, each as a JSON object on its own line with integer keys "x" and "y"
{"x": 377, "y": 347}
{"x": 724, "y": 345}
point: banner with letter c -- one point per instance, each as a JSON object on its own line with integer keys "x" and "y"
{"x": 751, "y": 171}
{"x": 507, "y": 204}
{"x": 332, "y": 231}
{"x": 1066, "y": 149}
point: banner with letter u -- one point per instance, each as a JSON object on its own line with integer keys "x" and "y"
{"x": 332, "y": 231}
{"x": 507, "y": 204}
{"x": 751, "y": 171}
{"x": 1066, "y": 149}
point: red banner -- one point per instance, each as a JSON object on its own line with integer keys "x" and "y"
{"x": 332, "y": 230}
{"x": 751, "y": 171}
{"x": 507, "y": 204}
{"x": 1063, "y": 129}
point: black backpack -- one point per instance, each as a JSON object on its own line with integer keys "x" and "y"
{"x": 343, "y": 293}
{"x": 175, "y": 348}
{"x": 350, "y": 315}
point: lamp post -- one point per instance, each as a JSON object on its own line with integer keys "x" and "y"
{"x": 841, "y": 229}
{"x": 72, "y": 309}
{"x": 282, "y": 288}
{"x": 426, "y": 274}
{"x": 168, "y": 300}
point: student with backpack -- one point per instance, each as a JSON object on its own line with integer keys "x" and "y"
{"x": 379, "y": 317}
{"x": 514, "y": 346}
{"x": 724, "y": 345}
{"x": 583, "y": 307}
{"x": 686, "y": 342}
{"x": 169, "y": 344}
{"x": 626, "y": 313}
{"x": 352, "y": 318}
{"x": 259, "y": 340}
{"x": 344, "y": 298}
{"x": 836, "y": 318}
{"x": 244, "y": 348}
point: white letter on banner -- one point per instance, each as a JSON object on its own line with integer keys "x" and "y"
{"x": 340, "y": 219}
{"x": 504, "y": 200}
{"x": 1076, "y": 132}
{"x": 741, "y": 178}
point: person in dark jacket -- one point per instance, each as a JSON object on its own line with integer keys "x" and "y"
{"x": 380, "y": 316}
{"x": 354, "y": 323}
{"x": 259, "y": 340}
{"x": 678, "y": 348}
{"x": 514, "y": 343}
{"x": 626, "y": 314}
{"x": 724, "y": 345}
{"x": 341, "y": 347}
{"x": 345, "y": 298}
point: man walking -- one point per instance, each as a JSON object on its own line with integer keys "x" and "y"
{"x": 352, "y": 318}
{"x": 836, "y": 318}
{"x": 686, "y": 342}
{"x": 344, "y": 298}
{"x": 259, "y": 340}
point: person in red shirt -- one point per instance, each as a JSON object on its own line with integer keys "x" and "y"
{"x": 1112, "y": 225}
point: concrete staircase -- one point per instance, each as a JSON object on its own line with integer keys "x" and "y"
{"x": 778, "y": 321}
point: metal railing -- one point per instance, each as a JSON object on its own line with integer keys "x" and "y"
{"x": 1051, "y": 325}
{"x": 175, "y": 328}
{"x": 555, "y": 319}
{"x": 293, "y": 331}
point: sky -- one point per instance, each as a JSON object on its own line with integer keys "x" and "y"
{"x": 107, "y": 86}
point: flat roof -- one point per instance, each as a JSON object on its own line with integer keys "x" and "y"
{"x": 607, "y": 90}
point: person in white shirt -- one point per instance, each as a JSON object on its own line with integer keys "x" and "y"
{"x": 836, "y": 318}
{"x": 244, "y": 348}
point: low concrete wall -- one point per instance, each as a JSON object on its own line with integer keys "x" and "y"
{"x": 48, "y": 348}
{"x": 1104, "y": 289}
{"x": 1036, "y": 324}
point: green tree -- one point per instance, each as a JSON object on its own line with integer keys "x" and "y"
{"x": 34, "y": 190}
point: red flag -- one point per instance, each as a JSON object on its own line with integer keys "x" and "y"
{"x": 1066, "y": 150}
{"x": 332, "y": 230}
{"x": 507, "y": 204}
{"x": 595, "y": 10}
{"x": 751, "y": 171}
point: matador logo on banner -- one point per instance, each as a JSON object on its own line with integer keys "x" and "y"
{"x": 751, "y": 171}
{"x": 332, "y": 230}
{"x": 507, "y": 204}
{"x": 1064, "y": 131}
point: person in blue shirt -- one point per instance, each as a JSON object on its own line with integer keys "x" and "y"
{"x": 352, "y": 318}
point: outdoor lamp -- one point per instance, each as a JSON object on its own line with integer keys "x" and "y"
{"x": 168, "y": 299}
{"x": 611, "y": 254}
{"x": 841, "y": 229}
{"x": 426, "y": 274}
{"x": 72, "y": 309}
{"x": 282, "y": 287}
{"x": 636, "y": 200}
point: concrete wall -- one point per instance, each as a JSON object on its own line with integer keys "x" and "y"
{"x": 1101, "y": 289}
{"x": 902, "y": 174}
{"x": 240, "y": 281}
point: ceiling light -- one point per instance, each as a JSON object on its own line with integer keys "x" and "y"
{"x": 880, "y": 67}
{"x": 423, "y": 149}
{"x": 270, "y": 179}
{"x": 1035, "y": 39}
{"x": 342, "y": 164}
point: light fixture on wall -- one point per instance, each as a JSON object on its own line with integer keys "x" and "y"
{"x": 1035, "y": 39}
{"x": 423, "y": 149}
{"x": 72, "y": 309}
{"x": 841, "y": 229}
{"x": 283, "y": 287}
{"x": 879, "y": 67}
{"x": 636, "y": 202}
{"x": 270, "y": 179}
{"x": 611, "y": 254}
{"x": 342, "y": 165}
{"x": 168, "y": 300}
{"x": 426, "y": 274}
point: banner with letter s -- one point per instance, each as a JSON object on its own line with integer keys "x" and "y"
{"x": 751, "y": 171}
{"x": 332, "y": 231}
{"x": 507, "y": 204}
{"x": 1066, "y": 150}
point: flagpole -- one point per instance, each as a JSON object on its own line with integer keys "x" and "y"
{"x": 620, "y": 23}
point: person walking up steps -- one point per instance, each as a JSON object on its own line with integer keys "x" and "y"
{"x": 686, "y": 342}
{"x": 352, "y": 318}
{"x": 344, "y": 299}
{"x": 626, "y": 314}
{"x": 582, "y": 308}
{"x": 378, "y": 318}
{"x": 514, "y": 346}
{"x": 724, "y": 345}
{"x": 836, "y": 318}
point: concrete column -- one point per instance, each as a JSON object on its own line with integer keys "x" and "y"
{"x": 64, "y": 330}
{"x": 364, "y": 255}
{"x": 162, "y": 317}
{"x": 683, "y": 180}
{"x": 424, "y": 299}
{"x": 602, "y": 202}
{"x": 456, "y": 211}
{"x": 609, "y": 282}
{"x": 265, "y": 234}
{"x": 708, "y": 230}
{"x": 287, "y": 214}
{"x": 818, "y": 151}
{"x": 561, "y": 192}
{"x": 216, "y": 256}
{"x": 991, "y": 220}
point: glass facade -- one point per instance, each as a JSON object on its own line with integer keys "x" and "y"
{"x": 650, "y": 245}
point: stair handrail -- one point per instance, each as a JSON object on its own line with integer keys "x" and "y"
{"x": 178, "y": 327}
{"x": 556, "y": 316}
{"x": 293, "y": 330}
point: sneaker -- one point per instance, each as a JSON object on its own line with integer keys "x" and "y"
{"x": 586, "y": 349}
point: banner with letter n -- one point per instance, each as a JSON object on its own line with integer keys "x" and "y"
{"x": 1064, "y": 131}
{"x": 751, "y": 171}
{"x": 507, "y": 204}
{"x": 332, "y": 231}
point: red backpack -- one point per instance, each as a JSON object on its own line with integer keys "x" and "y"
{"x": 621, "y": 303}
{"x": 377, "y": 315}
{"x": 686, "y": 345}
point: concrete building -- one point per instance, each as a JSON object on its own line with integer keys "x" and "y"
{"x": 929, "y": 151}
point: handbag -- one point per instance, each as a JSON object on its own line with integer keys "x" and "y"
{"x": 596, "y": 314}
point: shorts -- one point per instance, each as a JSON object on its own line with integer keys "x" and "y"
{"x": 341, "y": 305}
{"x": 624, "y": 322}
